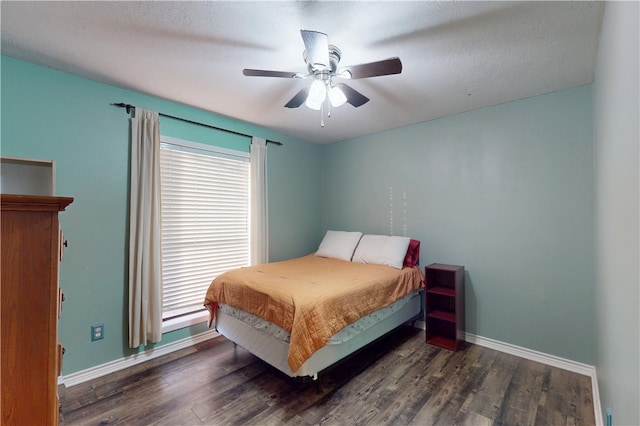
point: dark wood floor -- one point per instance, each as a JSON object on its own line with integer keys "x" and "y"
{"x": 400, "y": 380}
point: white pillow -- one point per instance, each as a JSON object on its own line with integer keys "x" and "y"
{"x": 339, "y": 244}
{"x": 382, "y": 250}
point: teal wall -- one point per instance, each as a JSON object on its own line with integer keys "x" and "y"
{"x": 505, "y": 191}
{"x": 47, "y": 114}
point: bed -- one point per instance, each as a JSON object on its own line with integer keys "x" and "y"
{"x": 304, "y": 315}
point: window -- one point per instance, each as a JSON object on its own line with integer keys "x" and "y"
{"x": 205, "y": 222}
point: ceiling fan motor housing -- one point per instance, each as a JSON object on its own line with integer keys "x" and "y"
{"x": 334, "y": 58}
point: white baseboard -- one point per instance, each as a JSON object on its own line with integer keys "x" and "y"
{"x": 530, "y": 354}
{"x": 597, "y": 407}
{"x": 129, "y": 361}
{"x": 543, "y": 358}
{"x": 551, "y": 360}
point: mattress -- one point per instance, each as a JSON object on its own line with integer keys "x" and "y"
{"x": 311, "y": 297}
{"x": 270, "y": 342}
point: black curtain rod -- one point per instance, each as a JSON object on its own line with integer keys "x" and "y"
{"x": 128, "y": 107}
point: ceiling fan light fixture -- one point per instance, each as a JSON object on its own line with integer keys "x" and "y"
{"x": 336, "y": 96}
{"x": 317, "y": 95}
{"x": 323, "y": 65}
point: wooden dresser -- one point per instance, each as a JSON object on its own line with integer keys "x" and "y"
{"x": 30, "y": 353}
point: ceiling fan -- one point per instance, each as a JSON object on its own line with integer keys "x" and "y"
{"x": 322, "y": 61}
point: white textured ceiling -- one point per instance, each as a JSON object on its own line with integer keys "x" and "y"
{"x": 456, "y": 56}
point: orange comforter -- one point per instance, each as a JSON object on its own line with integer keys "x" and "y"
{"x": 311, "y": 297}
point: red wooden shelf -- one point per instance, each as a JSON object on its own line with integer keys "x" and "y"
{"x": 444, "y": 306}
{"x": 443, "y": 342}
{"x": 442, "y": 315}
{"x": 445, "y": 291}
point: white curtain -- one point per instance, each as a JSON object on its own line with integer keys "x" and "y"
{"x": 145, "y": 258}
{"x": 259, "y": 207}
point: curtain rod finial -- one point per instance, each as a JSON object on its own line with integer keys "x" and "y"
{"x": 127, "y": 107}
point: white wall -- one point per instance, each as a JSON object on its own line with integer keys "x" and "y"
{"x": 617, "y": 213}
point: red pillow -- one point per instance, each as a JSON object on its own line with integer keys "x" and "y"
{"x": 413, "y": 254}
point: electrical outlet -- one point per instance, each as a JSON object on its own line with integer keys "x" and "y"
{"x": 97, "y": 332}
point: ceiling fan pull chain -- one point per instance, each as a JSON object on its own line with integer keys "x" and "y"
{"x": 322, "y": 115}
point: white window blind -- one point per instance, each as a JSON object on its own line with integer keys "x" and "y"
{"x": 205, "y": 221}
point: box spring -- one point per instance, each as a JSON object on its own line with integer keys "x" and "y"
{"x": 274, "y": 351}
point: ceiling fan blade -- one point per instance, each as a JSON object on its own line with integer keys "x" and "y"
{"x": 267, "y": 73}
{"x": 374, "y": 69}
{"x": 298, "y": 99}
{"x": 317, "y": 46}
{"x": 354, "y": 97}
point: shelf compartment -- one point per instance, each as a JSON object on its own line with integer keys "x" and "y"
{"x": 443, "y": 342}
{"x": 440, "y": 302}
{"x": 442, "y": 315}
{"x": 438, "y": 275}
{"x": 444, "y": 291}
{"x": 442, "y": 332}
